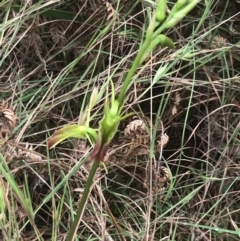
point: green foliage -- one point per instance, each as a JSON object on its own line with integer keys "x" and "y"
{"x": 75, "y": 131}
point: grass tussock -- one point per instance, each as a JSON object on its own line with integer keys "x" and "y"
{"x": 53, "y": 54}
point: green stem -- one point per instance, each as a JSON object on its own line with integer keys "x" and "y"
{"x": 74, "y": 227}
{"x": 159, "y": 30}
{"x": 132, "y": 71}
{"x": 136, "y": 63}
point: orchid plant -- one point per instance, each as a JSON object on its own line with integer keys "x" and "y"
{"x": 112, "y": 114}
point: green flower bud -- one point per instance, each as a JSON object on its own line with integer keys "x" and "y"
{"x": 179, "y": 15}
{"x": 109, "y": 123}
{"x": 161, "y": 10}
{"x": 179, "y": 5}
{"x": 165, "y": 41}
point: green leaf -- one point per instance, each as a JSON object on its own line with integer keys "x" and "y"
{"x": 74, "y": 131}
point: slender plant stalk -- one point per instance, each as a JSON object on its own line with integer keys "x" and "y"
{"x": 77, "y": 219}
{"x": 135, "y": 65}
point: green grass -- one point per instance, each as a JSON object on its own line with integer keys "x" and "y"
{"x": 51, "y": 87}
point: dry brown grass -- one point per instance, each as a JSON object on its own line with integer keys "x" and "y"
{"x": 196, "y": 104}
